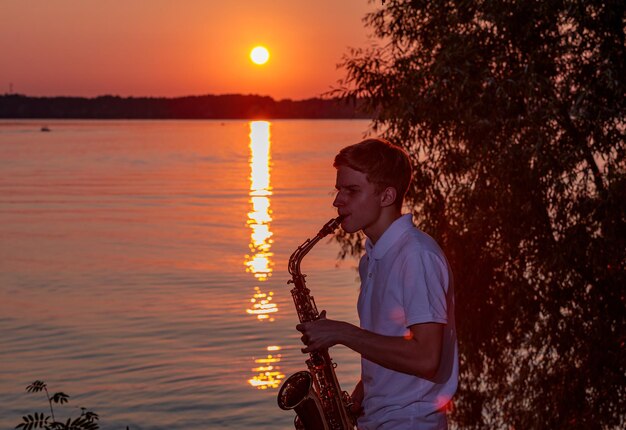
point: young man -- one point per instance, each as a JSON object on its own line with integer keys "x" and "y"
{"x": 407, "y": 336}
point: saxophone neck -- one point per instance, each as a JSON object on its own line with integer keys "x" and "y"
{"x": 299, "y": 254}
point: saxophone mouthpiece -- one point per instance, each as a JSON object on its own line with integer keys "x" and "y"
{"x": 330, "y": 226}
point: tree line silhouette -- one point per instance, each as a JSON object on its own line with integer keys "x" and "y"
{"x": 228, "y": 106}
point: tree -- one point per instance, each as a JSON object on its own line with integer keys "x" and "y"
{"x": 513, "y": 114}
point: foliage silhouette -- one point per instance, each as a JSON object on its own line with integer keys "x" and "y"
{"x": 513, "y": 112}
{"x": 87, "y": 420}
{"x": 37, "y": 420}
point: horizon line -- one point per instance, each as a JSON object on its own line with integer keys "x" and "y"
{"x": 318, "y": 97}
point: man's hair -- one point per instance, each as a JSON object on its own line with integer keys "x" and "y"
{"x": 385, "y": 165}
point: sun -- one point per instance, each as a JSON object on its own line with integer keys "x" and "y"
{"x": 259, "y": 55}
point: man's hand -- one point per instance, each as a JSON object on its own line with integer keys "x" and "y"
{"x": 357, "y": 400}
{"x": 321, "y": 333}
{"x": 416, "y": 353}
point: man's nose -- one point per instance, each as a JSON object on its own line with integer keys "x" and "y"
{"x": 338, "y": 201}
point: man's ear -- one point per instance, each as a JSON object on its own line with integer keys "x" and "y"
{"x": 388, "y": 196}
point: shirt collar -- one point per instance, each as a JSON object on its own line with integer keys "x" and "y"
{"x": 389, "y": 237}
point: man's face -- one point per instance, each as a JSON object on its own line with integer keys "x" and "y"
{"x": 357, "y": 200}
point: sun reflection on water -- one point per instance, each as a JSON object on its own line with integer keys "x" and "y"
{"x": 259, "y": 262}
{"x": 262, "y": 305}
{"x": 266, "y": 372}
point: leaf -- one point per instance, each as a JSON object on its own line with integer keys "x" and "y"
{"x": 60, "y": 398}
{"x": 36, "y": 386}
{"x": 91, "y": 416}
{"x": 56, "y": 426}
{"x": 82, "y": 423}
{"x": 38, "y": 420}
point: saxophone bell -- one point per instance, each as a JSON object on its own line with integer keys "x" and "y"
{"x": 297, "y": 393}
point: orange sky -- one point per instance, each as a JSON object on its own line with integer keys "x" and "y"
{"x": 176, "y": 47}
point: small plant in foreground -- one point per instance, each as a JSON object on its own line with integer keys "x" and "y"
{"x": 87, "y": 420}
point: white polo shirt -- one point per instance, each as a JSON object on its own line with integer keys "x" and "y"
{"x": 406, "y": 280}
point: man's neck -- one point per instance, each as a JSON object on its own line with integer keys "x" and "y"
{"x": 387, "y": 218}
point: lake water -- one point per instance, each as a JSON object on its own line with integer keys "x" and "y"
{"x": 143, "y": 267}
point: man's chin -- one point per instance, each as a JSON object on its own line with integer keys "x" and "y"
{"x": 348, "y": 227}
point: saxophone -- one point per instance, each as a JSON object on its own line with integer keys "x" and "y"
{"x": 315, "y": 395}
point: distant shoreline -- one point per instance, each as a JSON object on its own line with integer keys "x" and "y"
{"x": 227, "y": 106}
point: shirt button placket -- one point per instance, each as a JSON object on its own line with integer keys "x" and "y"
{"x": 371, "y": 271}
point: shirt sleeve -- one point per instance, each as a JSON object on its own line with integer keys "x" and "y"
{"x": 425, "y": 284}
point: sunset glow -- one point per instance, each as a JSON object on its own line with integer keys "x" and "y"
{"x": 166, "y": 49}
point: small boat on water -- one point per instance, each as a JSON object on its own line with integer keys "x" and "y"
{"x": 45, "y": 128}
